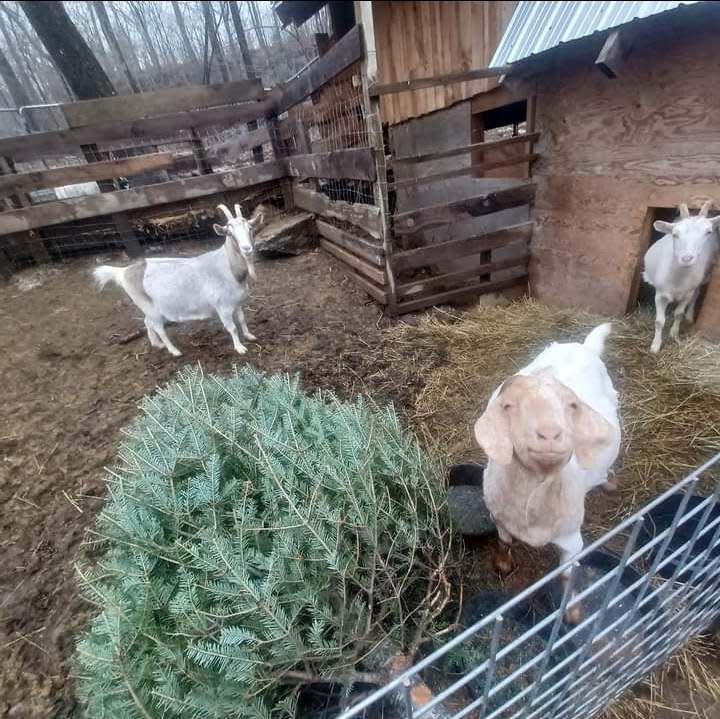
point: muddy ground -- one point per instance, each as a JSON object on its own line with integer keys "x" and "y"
{"x": 69, "y": 386}
{"x": 71, "y": 380}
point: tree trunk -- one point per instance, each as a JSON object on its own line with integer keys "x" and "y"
{"x": 16, "y": 89}
{"x": 147, "y": 40}
{"x": 113, "y": 43}
{"x": 249, "y": 68}
{"x": 180, "y": 20}
{"x": 214, "y": 41}
{"x": 66, "y": 46}
{"x": 242, "y": 41}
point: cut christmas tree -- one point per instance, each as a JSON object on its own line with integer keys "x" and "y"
{"x": 256, "y": 541}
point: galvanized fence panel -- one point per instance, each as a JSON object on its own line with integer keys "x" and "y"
{"x": 599, "y": 637}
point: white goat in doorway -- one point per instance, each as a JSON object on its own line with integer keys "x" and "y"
{"x": 179, "y": 289}
{"x": 678, "y": 264}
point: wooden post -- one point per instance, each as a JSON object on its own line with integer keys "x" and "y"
{"x": 127, "y": 234}
{"x": 33, "y": 240}
{"x": 285, "y": 184}
{"x": 373, "y": 118}
{"x": 198, "y": 152}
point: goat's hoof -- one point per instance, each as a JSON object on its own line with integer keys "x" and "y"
{"x": 503, "y": 563}
{"x": 249, "y": 337}
{"x": 611, "y": 485}
{"x": 241, "y": 350}
{"x": 655, "y": 348}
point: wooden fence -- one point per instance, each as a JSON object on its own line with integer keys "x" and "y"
{"x": 319, "y": 146}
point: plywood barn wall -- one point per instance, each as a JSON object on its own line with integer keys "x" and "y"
{"x": 424, "y": 39}
{"x": 612, "y": 148}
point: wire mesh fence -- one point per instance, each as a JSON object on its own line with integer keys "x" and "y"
{"x": 568, "y": 646}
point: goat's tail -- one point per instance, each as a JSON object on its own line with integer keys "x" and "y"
{"x": 595, "y": 341}
{"x": 107, "y": 273}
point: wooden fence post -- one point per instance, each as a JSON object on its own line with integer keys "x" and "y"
{"x": 373, "y": 119}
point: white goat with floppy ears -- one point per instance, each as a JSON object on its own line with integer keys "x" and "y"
{"x": 551, "y": 432}
{"x": 179, "y": 289}
{"x": 678, "y": 264}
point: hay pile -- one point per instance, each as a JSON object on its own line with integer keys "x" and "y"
{"x": 670, "y": 413}
{"x": 669, "y": 403}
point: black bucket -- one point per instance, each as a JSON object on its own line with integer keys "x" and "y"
{"x": 661, "y": 517}
{"x": 465, "y": 500}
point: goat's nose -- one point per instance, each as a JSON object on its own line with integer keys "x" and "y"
{"x": 549, "y": 434}
{"x": 687, "y": 259}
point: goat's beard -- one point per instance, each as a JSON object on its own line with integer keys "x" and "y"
{"x": 251, "y": 267}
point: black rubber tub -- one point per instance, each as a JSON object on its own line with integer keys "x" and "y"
{"x": 465, "y": 500}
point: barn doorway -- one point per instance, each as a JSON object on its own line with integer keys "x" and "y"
{"x": 643, "y": 295}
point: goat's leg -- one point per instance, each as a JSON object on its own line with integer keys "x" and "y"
{"x": 569, "y": 546}
{"x": 159, "y": 327}
{"x": 661, "y": 303}
{"x": 228, "y": 319}
{"x": 677, "y": 316}
{"x": 240, "y": 315}
{"x": 502, "y": 556}
{"x": 690, "y": 309}
{"x": 155, "y": 340}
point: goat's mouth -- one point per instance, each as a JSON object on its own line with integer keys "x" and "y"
{"x": 549, "y": 458}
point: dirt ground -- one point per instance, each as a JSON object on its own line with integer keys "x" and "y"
{"x": 71, "y": 381}
{"x": 68, "y": 389}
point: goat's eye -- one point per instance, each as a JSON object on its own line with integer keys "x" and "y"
{"x": 507, "y": 406}
{"x": 574, "y": 406}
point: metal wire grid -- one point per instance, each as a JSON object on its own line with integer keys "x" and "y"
{"x": 155, "y": 229}
{"x": 580, "y": 671}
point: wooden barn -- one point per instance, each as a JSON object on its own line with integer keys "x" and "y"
{"x": 562, "y": 127}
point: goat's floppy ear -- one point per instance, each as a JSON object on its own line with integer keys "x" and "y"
{"x": 220, "y": 229}
{"x": 664, "y": 227}
{"x": 492, "y": 433}
{"x": 592, "y": 434}
{"x": 714, "y": 221}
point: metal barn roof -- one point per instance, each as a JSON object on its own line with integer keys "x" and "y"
{"x": 537, "y": 26}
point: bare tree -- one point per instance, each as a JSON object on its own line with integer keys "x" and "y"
{"x": 242, "y": 41}
{"x": 180, "y": 20}
{"x": 112, "y": 41}
{"x": 66, "y": 46}
{"x": 141, "y": 24}
{"x": 16, "y": 89}
{"x": 211, "y": 33}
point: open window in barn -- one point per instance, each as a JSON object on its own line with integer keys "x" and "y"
{"x": 500, "y": 123}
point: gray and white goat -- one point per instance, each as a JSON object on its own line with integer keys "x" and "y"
{"x": 678, "y": 264}
{"x": 180, "y": 289}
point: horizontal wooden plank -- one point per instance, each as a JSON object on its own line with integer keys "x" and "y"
{"x": 469, "y": 170}
{"x": 406, "y": 223}
{"x": 450, "y": 280}
{"x": 463, "y": 149}
{"x": 358, "y": 264}
{"x": 377, "y": 293}
{"x": 455, "y": 249}
{"x": 369, "y": 251}
{"x": 60, "y": 142}
{"x": 53, "y": 213}
{"x": 421, "y": 83}
{"x": 127, "y": 108}
{"x": 105, "y": 170}
{"x": 238, "y": 144}
{"x": 461, "y": 294}
{"x": 367, "y": 217}
{"x": 356, "y": 164}
{"x": 342, "y": 54}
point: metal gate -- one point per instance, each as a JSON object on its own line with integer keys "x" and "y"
{"x": 621, "y": 614}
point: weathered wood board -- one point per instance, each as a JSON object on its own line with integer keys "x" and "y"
{"x": 366, "y": 217}
{"x": 104, "y": 170}
{"x": 53, "y": 213}
{"x": 127, "y": 108}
